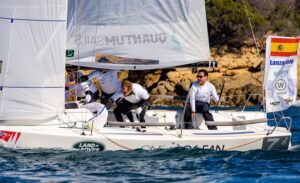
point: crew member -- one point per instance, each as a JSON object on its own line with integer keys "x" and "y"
{"x": 131, "y": 96}
{"x": 107, "y": 83}
{"x": 200, "y": 94}
{"x": 92, "y": 94}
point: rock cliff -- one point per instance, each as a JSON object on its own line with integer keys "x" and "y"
{"x": 240, "y": 69}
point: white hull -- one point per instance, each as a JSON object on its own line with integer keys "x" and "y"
{"x": 62, "y": 136}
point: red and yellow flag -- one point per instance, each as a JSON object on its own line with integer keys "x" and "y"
{"x": 284, "y": 46}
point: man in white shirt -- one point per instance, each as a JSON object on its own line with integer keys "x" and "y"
{"x": 200, "y": 94}
{"x": 131, "y": 96}
{"x": 91, "y": 92}
{"x": 107, "y": 82}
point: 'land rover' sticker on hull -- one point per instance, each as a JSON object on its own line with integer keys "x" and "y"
{"x": 89, "y": 146}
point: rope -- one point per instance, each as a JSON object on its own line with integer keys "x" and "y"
{"x": 253, "y": 35}
{"x": 78, "y": 25}
{"x": 235, "y": 147}
{"x": 114, "y": 142}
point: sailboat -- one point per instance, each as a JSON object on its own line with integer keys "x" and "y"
{"x": 35, "y": 35}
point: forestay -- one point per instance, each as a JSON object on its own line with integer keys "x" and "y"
{"x": 142, "y": 34}
{"x": 281, "y": 72}
{"x": 32, "y": 51}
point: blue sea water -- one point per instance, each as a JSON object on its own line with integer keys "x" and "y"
{"x": 165, "y": 165}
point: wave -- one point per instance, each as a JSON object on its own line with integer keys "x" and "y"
{"x": 160, "y": 165}
{"x": 295, "y": 148}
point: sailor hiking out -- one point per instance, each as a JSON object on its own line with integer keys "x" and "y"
{"x": 131, "y": 96}
{"x": 92, "y": 94}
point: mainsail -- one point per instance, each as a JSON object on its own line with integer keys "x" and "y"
{"x": 32, "y": 54}
{"x": 139, "y": 34}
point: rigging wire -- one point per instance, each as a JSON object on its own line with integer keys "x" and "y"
{"x": 257, "y": 50}
{"x": 79, "y": 18}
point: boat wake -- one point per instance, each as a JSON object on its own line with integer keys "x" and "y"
{"x": 295, "y": 148}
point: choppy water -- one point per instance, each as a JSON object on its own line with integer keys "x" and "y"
{"x": 169, "y": 165}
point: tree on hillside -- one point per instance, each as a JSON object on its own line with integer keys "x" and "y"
{"x": 282, "y": 16}
{"x": 228, "y": 22}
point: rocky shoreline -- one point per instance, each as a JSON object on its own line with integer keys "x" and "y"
{"x": 240, "y": 69}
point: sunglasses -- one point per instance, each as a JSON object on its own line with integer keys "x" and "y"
{"x": 200, "y": 76}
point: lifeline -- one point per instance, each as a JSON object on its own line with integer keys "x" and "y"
{"x": 286, "y": 62}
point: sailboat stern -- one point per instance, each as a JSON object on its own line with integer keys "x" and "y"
{"x": 276, "y": 143}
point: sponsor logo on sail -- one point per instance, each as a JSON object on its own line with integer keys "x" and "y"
{"x": 288, "y": 100}
{"x": 281, "y": 63}
{"x": 280, "y": 84}
{"x": 130, "y": 39}
{"x": 89, "y": 146}
{"x": 275, "y": 103}
{"x": 284, "y": 47}
{"x": 176, "y": 42}
{"x": 281, "y": 73}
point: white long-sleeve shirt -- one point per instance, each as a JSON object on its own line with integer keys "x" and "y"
{"x": 77, "y": 90}
{"x": 138, "y": 93}
{"x": 89, "y": 85}
{"x": 202, "y": 93}
{"x": 108, "y": 81}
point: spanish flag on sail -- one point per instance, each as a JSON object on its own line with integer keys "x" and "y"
{"x": 283, "y": 47}
{"x": 280, "y": 77}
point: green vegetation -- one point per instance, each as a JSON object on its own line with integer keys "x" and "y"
{"x": 228, "y": 21}
{"x": 285, "y": 21}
